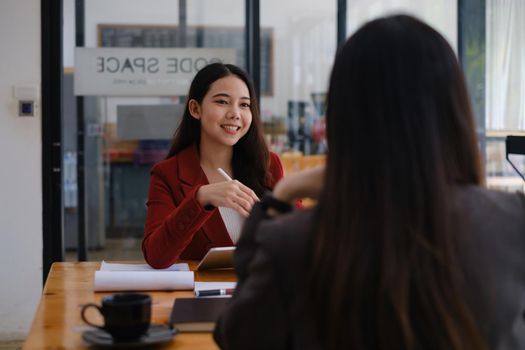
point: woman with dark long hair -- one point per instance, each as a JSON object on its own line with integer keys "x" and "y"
{"x": 406, "y": 248}
{"x": 192, "y": 207}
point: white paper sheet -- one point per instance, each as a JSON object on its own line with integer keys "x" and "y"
{"x": 143, "y": 280}
{"x": 105, "y": 266}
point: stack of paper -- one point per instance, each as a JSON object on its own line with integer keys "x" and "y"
{"x": 138, "y": 277}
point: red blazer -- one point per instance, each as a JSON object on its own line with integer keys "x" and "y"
{"x": 177, "y": 226}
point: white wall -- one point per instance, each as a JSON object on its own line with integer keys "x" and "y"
{"x": 20, "y": 171}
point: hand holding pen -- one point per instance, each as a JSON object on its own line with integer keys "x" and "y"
{"x": 224, "y": 174}
{"x": 230, "y": 193}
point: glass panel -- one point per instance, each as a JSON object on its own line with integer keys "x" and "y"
{"x": 472, "y": 33}
{"x": 125, "y": 136}
{"x": 69, "y": 134}
{"x": 505, "y": 65}
{"x": 505, "y": 88}
{"x": 299, "y": 58}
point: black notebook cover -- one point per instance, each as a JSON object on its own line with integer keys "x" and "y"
{"x": 197, "y": 314}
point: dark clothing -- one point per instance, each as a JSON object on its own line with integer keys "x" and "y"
{"x": 266, "y": 311}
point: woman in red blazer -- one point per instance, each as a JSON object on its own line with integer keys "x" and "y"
{"x": 191, "y": 206}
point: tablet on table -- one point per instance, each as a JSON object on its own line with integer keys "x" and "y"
{"x": 217, "y": 258}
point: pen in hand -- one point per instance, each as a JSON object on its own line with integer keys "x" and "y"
{"x": 214, "y": 292}
{"x": 224, "y": 174}
{"x": 228, "y": 178}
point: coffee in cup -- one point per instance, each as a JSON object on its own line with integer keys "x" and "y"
{"x": 127, "y": 316}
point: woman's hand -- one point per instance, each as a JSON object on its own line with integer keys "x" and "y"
{"x": 304, "y": 184}
{"x": 231, "y": 194}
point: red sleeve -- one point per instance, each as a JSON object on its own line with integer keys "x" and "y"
{"x": 275, "y": 169}
{"x": 169, "y": 227}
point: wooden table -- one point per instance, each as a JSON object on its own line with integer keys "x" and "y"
{"x": 57, "y": 323}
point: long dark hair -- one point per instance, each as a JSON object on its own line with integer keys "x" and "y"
{"x": 250, "y": 154}
{"x": 386, "y": 272}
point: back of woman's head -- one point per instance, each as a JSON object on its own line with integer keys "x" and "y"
{"x": 398, "y": 99}
{"x": 400, "y": 139}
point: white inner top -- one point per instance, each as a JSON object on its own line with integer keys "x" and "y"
{"x": 233, "y": 222}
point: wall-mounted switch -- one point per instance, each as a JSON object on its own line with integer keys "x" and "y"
{"x": 26, "y": 108}
{"x": 27, "y": 96}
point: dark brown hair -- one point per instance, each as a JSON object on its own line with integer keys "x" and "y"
{"x": 250, "y": 154}
{"x": 386, "y": 272}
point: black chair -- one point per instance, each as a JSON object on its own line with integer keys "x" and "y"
{"x": 515, "y": 145}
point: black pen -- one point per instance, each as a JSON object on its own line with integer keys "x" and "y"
{"x": 214, "y": 292}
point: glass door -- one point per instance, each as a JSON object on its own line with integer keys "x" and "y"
{"x": 129, "y": 119}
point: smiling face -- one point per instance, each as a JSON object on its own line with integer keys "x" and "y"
{"x": 224, "y": 113}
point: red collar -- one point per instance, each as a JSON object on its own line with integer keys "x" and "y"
{"x": 189, "y": 166}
